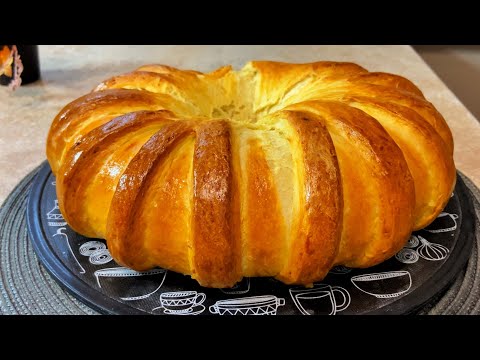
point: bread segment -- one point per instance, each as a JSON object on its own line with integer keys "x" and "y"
{"x": 92, "y": 168}
{"x": 216, "y": 236}
{"x": 433, "y": 171}
{"x": 317, "y": 202}
{"x": 278, "y": 84}
{"x": 95, "y": 109}
{"x": 123, "y": 236}
{"x": 264, "y": 237}
{"x": 166, "y": 231}
{"x": 378, "y": 190}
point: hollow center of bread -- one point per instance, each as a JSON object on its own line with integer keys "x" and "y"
{"x": 245, "y": 97}
{"x": 240, "y": 96}
{"x": 231, "y": 111}
{"x": 233, "y": 98}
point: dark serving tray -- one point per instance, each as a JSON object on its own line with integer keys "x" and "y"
{"x": 401, "y": 285}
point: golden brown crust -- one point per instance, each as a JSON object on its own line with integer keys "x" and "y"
{"x": 378, "y": 190}
{"x": 264, "y": 246}
{"x": 275, "y": 170}
{"x": 390, "y": 81}
{"x": 315, "y": 238}
{"x": 128, "y": 250}
{"x": 278, "y": 81}
{"x": 216, "y": 244}
{"x": 86, "y": 159}
{"x": 433, "y": 171}
{"x": 165, "y": 231}
{"x": 415, "y": 103}
{"x": 91, "y": 111}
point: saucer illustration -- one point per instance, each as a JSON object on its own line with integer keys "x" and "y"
{"x": 181, "y": 303}
{"x": 195, "y": 310}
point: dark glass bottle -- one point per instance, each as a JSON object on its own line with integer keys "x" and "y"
{"x": 31, "y": 64}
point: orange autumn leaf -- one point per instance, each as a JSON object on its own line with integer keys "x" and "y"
{"x": 6, "y": 60}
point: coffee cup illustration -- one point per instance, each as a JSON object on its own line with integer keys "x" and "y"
{"x": 322, "y": 299}
{"x": 444, "y": 222}
{"x": 383, "y": 285}
{"x": 181, "y": 303}
{"x": 254, "y": 305}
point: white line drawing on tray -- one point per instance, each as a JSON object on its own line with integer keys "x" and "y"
{"x": 340, "y": 270}
{"x": 88, "y": 248}
{"x": 122, "y": 273}
{"x": 383, "y": 285}
{"x": 55, "y": 214}
{"x": 96, "y": 251}
{"x": 454, "y": 217}
{"x": 254, "y": 305}
{"x": 431, "y": 251}
{"x": 181, "y": 303}
{"x": 59, "y": 232}
{"x": 54, "y": 182}
{"x": 242, "y": 287}
{"x": 322, "y": 299}
{"x": 407, "y": 256}
{"x": 100, "y": 257}
{"x": 412, "y": 242}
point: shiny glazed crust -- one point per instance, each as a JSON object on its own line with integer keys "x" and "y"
{"x": 278, "y": 169}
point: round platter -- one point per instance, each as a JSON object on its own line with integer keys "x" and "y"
{"x": 422, "y": 269}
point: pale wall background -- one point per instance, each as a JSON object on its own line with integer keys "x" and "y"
{"x": 459, "y": 68}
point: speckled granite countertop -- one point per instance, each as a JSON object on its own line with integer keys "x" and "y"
{"x": 70, "y": 71}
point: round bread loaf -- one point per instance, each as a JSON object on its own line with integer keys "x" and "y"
{"x": 278, "y": 169}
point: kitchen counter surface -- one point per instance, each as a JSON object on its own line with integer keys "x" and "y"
{"x": 71, "y": 71}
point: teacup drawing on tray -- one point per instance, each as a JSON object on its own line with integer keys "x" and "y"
{"x": 128, "y": 284}
{"x": 322, "y": 299}
{"x": 383, "y": 285}
{"x": 254, "y": 305}
{"x": 181, "y": 303}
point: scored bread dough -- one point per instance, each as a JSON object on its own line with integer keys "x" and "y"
{"x": 277, "y": 169}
